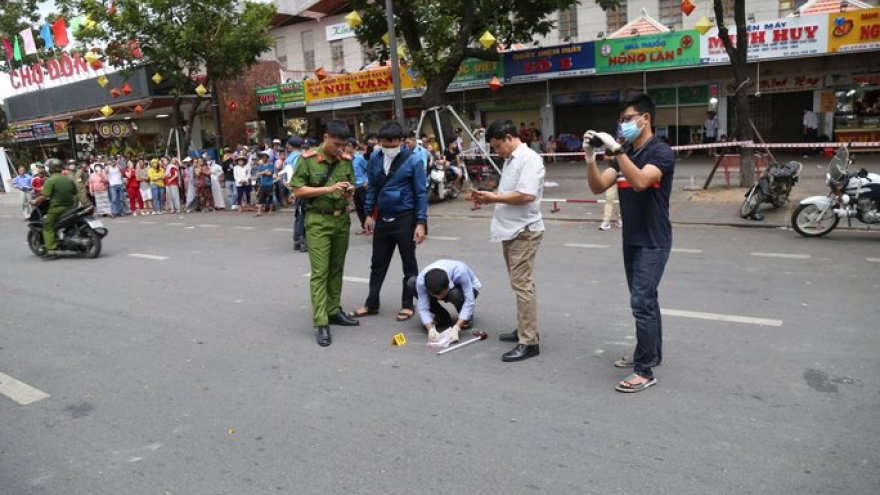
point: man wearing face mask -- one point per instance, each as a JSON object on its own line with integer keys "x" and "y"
{"x": 397, "y": 216}
{"x": 643, "y": 170}
{"x": 324, "y": 177}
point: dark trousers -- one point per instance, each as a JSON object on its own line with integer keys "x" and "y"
{"x": 811, "y": 136}
{"x": 644, "y": 268}
{"x": 360, "y": 197}
{"x": 387, "y": 236}
{"x": 299, "y": 224}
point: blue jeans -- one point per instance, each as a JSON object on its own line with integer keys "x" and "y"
{"x": 644, "y": 268}
{"x": 158, "y": 198}
{"x": 117, "y": 200}
{"x": 230, "y": 193}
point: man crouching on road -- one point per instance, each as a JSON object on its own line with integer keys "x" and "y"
{"x": 449, "y": 281}
{"x": 643, "y": 171}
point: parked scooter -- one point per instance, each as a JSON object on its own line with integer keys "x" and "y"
{"x": 852, "y": 195}
{"x": 76, "y": 230}
{"x": 774, "y": 187}
{"x": 440, "y": 183}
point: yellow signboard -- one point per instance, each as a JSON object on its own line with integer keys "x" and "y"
{"x": 854, "y": 31}
{"x": 355, "y": 86}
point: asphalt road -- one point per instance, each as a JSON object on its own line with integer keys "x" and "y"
{"x": 199, "y": 374}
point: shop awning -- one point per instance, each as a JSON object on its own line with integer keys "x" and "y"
{"x": 334, "y": 105}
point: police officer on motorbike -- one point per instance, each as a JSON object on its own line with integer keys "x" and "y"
{"x": 60, "y": 191}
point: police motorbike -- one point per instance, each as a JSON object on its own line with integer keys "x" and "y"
{"x": 852, "y": 195}
{"x": 76, "y": 230}
{"x": 774, "y": 187}
{"x": 440, "y": 182}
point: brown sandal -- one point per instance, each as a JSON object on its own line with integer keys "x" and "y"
{"x": 402, "y": 315}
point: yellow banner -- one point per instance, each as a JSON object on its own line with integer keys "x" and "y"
{"x": 854, "y": 31}
{"x": 354, "y": 86}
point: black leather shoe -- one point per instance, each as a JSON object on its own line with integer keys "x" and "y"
{"x": 521, "y": 352}
{"x": 509, "y": 337}
{"x": 343, "y": 320}
{"x": 323, "y": 336}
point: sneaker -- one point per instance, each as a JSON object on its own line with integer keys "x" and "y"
{"x": 605, "y": 226}
{"x": 620, "y": 224}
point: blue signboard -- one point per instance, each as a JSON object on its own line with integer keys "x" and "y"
{"x": 576, "y": 59}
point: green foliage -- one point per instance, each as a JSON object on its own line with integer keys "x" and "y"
{"x": 16, "y": 15}
{"x": 178, "y": 38}
{"x": 440, "y": 34}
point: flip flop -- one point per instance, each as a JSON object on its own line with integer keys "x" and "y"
{"x": 403, "y": 316}
{"x": 624, "y": 362}
{"x": 358, "y": 313}
{"x": 631, "y": 387}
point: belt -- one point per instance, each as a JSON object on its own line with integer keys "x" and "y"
{"x": 398, "y": 215}
{"x": 323, "y": 211}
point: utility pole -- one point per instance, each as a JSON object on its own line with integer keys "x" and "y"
{"x": 395, "y": 62}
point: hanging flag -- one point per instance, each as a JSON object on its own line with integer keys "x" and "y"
{"x": 27, "y": 35}
{"x": 134, "y": 48}
{"x": 59, "y": 30}
{"x": 7, "y": 47}
{"x": 46, "y": 34}
{"x": 17, "y": 50}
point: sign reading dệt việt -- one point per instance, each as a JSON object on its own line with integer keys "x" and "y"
{"x": 648, "y": 52}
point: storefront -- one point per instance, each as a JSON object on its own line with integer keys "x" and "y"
{"x": 856, "y": 106}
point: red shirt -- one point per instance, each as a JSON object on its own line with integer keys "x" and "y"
{"x": 131, "y": 180}
{"x": 37, "y": 184}
{"x": 172, "y": 177}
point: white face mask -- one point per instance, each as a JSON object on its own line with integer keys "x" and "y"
{"x": 391, "y": 152}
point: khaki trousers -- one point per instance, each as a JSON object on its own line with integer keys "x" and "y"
{"x": 610, "y": 196}
{"x": 519, "y": 256}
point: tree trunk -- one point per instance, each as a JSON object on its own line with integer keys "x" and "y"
{"x": 435, "y": 96}
{"x": 186, "y": 140}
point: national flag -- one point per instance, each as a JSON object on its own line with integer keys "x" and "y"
{"x": 59, "y": 30}
{"x": 17, "y": 50}
{"x": 27, "y": 35}
{"x": 46, "y": 34}
{"x": 7, "y": 47}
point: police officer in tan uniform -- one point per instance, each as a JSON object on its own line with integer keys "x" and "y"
{"x": 324, "y": 178}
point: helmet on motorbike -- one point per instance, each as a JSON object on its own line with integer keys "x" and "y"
{"x": 54, "y": 165}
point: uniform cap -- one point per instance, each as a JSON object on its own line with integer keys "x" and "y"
{"x": 295, "y": 141}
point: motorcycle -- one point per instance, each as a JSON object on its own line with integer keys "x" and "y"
{"x": 76, "y": 230}
{"x": 774, "y": 187}
{"x": 440, "y": 182}
{"x": 852, "y": 195}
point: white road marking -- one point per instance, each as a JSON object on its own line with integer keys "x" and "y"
{"x": 440, "y": 238}
{"x": 245, "y": 228}
{"x": 782, "y": 255}
{"x": 289, "y": 231}
{"x": 176, "y": 224}
{"x": 358, "y": 280}
{"x": 873, "y": 260}
{"x": 207, "y": 226}
{"x": 586, "y": 246}
{"x": 719, "y": 317}
{"x": 147, "y": 222}
{"x": 687, "y": 251}
{"x": 149, "y": 256}
{"x": 20, "y": 392}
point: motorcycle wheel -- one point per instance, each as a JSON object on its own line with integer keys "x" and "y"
{"x": 35, "y": 242}
{"x": 452, "y": 192}
{"x": 752, "y": 202}
{"x": 95, "y": 250}
{"x": 805, "y": 223}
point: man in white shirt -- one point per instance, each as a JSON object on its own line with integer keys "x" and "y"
{"x": 518, "y": 224}
{"x": 811, "y": 131}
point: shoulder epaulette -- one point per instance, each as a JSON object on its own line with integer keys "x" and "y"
{"x": 309, "y": 154}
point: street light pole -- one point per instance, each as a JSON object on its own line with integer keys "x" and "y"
{"x": 395, "y": 62}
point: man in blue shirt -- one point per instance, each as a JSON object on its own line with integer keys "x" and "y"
{"x": 397, "y": 215}
{"x": 266, "y": 175}
{"x": 643, "y": 171}
{"x": 448, "y": 281}
{"x": 294, "y": 151}
{"x": 360, "y": 180}
{"x": 415, "y": 146}
{"x": 22, "y": 182}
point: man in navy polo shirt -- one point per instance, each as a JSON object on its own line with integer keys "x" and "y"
{"x": 643, "y": 170}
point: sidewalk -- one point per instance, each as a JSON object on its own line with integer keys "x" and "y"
{"x": 689, "y": 204}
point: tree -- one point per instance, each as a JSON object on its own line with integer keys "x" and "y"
{"x": 441, "y": 34}
{"x": 737, "y": 51}
{"x": 183, "y": 40}
{"x": 16, "y": 15}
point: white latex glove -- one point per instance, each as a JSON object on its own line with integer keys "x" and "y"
{"x": 593, "y": 139}
{"x": 453, "y": 333}
{"x": 433, "y": 335}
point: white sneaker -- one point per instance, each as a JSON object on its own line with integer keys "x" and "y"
{"x": 620, "y": 224}
{"x": 605, "y": 226}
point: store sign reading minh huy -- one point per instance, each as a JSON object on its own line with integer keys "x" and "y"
{"x": 782, "y": 38}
